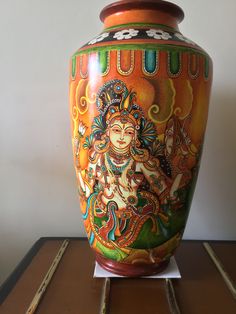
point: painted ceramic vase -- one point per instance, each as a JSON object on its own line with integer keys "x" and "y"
{"x": 139, "y": 94}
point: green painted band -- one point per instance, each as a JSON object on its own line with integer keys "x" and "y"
{"x": 103, "y": 60}
{"x": 174, "y": 62}
{"x": 142, "y": 47}
{"x": 150, "y": 61}
{"x": 141, "y": 25}
{"x": 207, "y": 70}
{"x": 73, "y": 66}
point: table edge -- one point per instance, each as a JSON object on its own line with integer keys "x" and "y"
{"x": 11, "y": 280}
{"x": 7, "y": 285}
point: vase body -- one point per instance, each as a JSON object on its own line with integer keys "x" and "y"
{"x": 139, "y": 95}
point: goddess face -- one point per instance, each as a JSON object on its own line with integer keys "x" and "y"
{"x": 121, "y": 134}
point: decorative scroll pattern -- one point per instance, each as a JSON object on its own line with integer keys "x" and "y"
{"x": 82, "y": 102}
{"x": 182, "y": 112}
{"x": 162, "y": 109}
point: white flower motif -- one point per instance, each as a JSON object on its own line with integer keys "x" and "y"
{"x": 81, "y": 129}
{"x": 181, "y": 37}
{"x": 126, "y": 34}
{"x": 98, "y": 38}
{"x": 158, "y": 34}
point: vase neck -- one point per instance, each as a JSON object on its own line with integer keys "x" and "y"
{"x": 142, "y": 11}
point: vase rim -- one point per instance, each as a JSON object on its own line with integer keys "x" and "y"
{"x": 126, "y": 5}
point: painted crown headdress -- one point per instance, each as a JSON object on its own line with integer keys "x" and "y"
{"x": 114, "y": 100}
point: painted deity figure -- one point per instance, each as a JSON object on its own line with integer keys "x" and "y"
{"x": 125, "y": 185}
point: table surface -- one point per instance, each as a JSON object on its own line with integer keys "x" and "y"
{"x": 201, "y": 290}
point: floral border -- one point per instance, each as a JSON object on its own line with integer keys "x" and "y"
{"x": 139, "y": 33}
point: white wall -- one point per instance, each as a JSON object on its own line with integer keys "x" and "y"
{"x": 37, "y": 183}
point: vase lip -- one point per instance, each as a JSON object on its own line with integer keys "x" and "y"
{"x": 126, "y": 5}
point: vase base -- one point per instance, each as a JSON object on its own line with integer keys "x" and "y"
{"x": 130, "y": 270}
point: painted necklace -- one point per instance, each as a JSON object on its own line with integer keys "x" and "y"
{"x": 132, "y": 200}
{"x": 115, "y": 167}
{"x": 119, "y": 158}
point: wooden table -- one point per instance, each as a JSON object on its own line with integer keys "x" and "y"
{"x": 72, "y": 289}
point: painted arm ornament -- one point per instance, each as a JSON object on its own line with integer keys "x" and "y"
{"x": 156, "y": 179}
{"x": 164, "y": 187}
